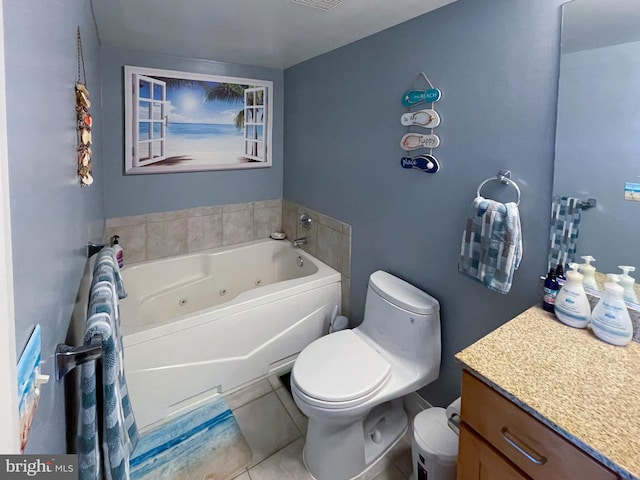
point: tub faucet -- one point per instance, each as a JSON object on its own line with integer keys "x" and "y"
{"x": 298, "y": 242}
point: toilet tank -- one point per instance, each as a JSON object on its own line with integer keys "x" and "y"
{"x": 402, "y": 319}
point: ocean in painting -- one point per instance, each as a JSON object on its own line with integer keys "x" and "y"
{"x": 191, "y": 139}
{"x": 201, "y": 142}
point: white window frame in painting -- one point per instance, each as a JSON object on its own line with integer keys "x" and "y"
{"x": 138, "y": 144}
{"x": 134, "y": 164}
{"x": 254, "y": 117}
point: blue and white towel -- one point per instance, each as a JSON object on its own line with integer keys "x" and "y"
{"x": 106, "y": 258}
{"x": 565, "y": 222}
{"x": 119, "y": 430}
{"x": 103, "y": 299}
{"x": 491, "y": 247}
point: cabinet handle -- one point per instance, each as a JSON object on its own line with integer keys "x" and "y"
{"x": 513, "y": 441}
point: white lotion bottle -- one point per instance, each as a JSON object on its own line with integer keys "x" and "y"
{"x": 589, "y": 272}
{"x": 117, "y": 249}
{"x": 627, "y": 282}
{"x": 610, "y": 319}
{"x": 572, "y": 305}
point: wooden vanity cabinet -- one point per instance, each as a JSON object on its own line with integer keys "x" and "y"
{"x": 500, "y": 441}
{"x": 479, "y": 460}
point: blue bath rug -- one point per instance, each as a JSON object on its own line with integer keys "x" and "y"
{"x": 205, "y": 444}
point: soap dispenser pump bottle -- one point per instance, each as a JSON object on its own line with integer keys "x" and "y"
{"x": 627, "y": 282}
{"x": 572, "y": 305}
{"x": 610, "y": 319}
{"x": 117, "y": 250}
{"x": 588, "y": 271}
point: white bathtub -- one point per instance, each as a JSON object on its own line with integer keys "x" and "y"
{"x": 203, "y": 324}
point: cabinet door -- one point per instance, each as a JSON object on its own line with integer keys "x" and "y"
{"x": 533, "y": 447}
{"x": 477, "y": 460}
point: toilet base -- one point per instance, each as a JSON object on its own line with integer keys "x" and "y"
{"x": 338, "y": 451}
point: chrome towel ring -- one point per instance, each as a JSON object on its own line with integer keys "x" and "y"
{"x": 504, "y": 176}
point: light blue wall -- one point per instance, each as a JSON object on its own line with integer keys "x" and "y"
{"x": 52, "y": 217}
{"x": 597, "y": 149}
{"x": 138, "y": 194}
{"x": 496, "y": 63}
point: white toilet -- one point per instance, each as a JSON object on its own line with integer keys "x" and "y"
{"x": 349, "y": 383}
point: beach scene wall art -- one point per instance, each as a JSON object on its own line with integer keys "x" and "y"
{"x": 186, "y": 122}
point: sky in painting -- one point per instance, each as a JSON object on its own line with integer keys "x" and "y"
{"x": 186, "y": 104}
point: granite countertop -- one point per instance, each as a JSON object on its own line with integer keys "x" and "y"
{"x": 586, "y": 390}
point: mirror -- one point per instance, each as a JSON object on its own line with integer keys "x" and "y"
{"x": 598, "y": 128}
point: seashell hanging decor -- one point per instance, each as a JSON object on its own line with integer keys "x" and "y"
{"x": 84, "y": 121}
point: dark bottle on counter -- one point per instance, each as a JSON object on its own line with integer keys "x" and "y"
{"x": 551, "y": 289}
{"x": 560, "y": 272}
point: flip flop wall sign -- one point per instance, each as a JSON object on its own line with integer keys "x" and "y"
{"x": 413, "y": 141}
{"x": 427, "y": 118}
{"x": 424, "y": 163}
{"x": 411, "y": 98}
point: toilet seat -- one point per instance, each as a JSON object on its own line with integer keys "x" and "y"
{"x": 339, "y": 370}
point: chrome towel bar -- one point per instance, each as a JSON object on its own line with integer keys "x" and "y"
{"x": 68, "y": 358}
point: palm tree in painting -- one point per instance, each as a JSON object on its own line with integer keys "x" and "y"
{"x": 227, "y": 92}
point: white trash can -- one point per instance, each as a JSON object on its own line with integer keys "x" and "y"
{"x": 434, "y": 447}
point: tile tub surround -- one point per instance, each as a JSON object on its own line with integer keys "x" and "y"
{"x": 328, "y": 239}
{"x": 582, "y": 388}
{"x": 164, "y": 234}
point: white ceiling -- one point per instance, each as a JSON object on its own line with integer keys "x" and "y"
{"x": 269, "y": 33}
{"x": 588, "y": 24}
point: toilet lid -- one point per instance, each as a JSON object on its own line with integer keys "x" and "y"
{"x": 339, "y": 367}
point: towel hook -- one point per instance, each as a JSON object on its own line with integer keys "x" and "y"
{"x": 503, "y": 176}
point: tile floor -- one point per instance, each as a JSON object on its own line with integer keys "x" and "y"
{"x": 275, "y": 429}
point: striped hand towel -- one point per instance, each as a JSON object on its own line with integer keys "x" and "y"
{"x": 491, "y": 247}
{"x": 103, "y": 299}
{"x": 106, "y": 258}
{"x": 104, "y": 276}
{"x": 120, "y": 433}
{"x": 565, "y": 221}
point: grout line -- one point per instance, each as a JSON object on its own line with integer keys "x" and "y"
{"x": 245, "y": 470}
{"x": 275, "y": 453}
{"x": 253, "y": 399}
{"x": 393, "y": 465}
{"x": 395, "y": 461}
{"x": 287, "y": 410}
{"x": 239, "y": 473}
